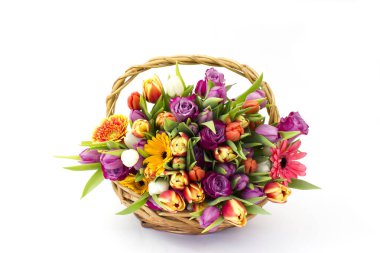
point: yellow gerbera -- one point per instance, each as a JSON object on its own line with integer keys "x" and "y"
{"x": 139, "y": 187}
{"x": 158, "y": 149}
{"x": 112, "y": 128}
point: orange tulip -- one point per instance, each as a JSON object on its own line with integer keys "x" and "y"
{"x": 197, "y": 174}
{"x": 233, "y": 131}
{"x": 250, "y": 166}
{"x": 160, "y": 120}
{"x": 235, "y": 212}
{"x": 276, "y": 192}
{"x": 194, "y": 193}
{"x": 134, "y": 101}
{"x": 152, "y": 89}
{"x": 253, "y": 106}
{"x": 172, "y": 201}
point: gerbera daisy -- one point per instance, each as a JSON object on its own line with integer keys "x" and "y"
{"x": 112, "y": 128}
{"x": 158, "y": 149}
{"x": 284, "y": 161}
{"x": 139, "y": 187}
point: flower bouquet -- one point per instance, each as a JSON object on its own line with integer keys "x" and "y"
{"x": 188, "y": 158}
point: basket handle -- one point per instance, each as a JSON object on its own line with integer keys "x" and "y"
{"x": 159, "y": 62}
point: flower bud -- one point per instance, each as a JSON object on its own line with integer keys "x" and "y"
{"x": 152, "y": 89}
{"x": 276, "y": 192}
{"x": 226, "y": 169}
{"x": 253, "y": 106}
{"x": 158, "y": 186}
{"x": 172, "y": 201}
{"x": 140, "y": 127}
{"x": 251, "y": 191}
{"x": 178, "y": 145}
{"x": 257, "y": 95}
{"x": 239, "y": 181}
{"x": 264, "y": 166}
{"x": 244, "y": 122}
{"x": 233, "y": 131}
{"x": 134, "y": 101}
{"x": 178, "y": 163}
{"x": 194, "y": 193}
{"x": 196, "y": 174}
{"x": 250, "y": 166}
{"x": 160, "y": 119}
{"x": 268, "y": 131}
{"x": 179, "y": 180}
{"x": 136, "y": 114}
{"x": 224, "y": 154}
{"x": 209, "y": 215}
{"x": 130, "y": 157}
{"x": 174, "y": 87}
{"x": 89, "y": 156}
{"x": 201, "y": 88}
{"x": 235, "y": 212}
{"x": 205, "y": 115}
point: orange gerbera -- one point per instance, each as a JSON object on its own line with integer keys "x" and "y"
{"x": 112, "y": 128}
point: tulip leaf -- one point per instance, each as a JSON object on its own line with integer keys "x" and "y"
{"x": 259, "y": 139}
{"x": 139, "y": 176}
{"x": 288, "y": 135}
{"x": 218, "y": 200}
{"x": 72, "y": 157}
{"x": 228, "y": 87}
{"x": 216, "y": 223}
{"x": 302, "y": 185}
{"x": 206, "y": 157}
{"x": 169, "y": 125}
{"x": 179, "y": 75}
{"x": 246, "y": 202}
{"x": 256, "y": 209}
{"x": 187, "y": 92}
{"x": 182, "y": 127}
{"x": 252, "y": 144}
{"x": 240, "y": 169}
{"x": 196, "y": 214}
{"x": 210, "y": 125}
{"x": 135, "y": 205}
{"x": 157, "y": 201}
{"x": 256, "y": 199}
{"x": 93, "y": 182}
{"x": 142, "y": 152}
{"x": 157, "y": 106}
{"x": 237, "y": 149}
{"x": 116, "y": 152}
{"x": 144, "y": 107}
{"x": 84, "y": 167}
{"x": 259, "y": 179}
{"x": 211, "y": 102}
{"x": 256, "y": 84}
{"x": 260, "y": 174}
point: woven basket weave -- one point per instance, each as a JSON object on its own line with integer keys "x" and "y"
{"x": 179, "y": 222}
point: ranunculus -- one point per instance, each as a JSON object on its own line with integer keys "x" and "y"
{"x": 248, "y": 152}
{"x": 184, "y": 108}
{"x": 239, "y": 181}
{"x": 113, "y": 168}
{"x": 179, "y": 163}
{"x": 199, "y": 155}
{"x": 134, "y": 101}
{"x": 209, "y": 140}
{"x": 251, "y": 191}
{"x": 178, "y": 144}
{"x": 205, "y": 115}
{"x": 194, "y": 127}
{"x": 257, "y": 95}
{"x": 226, "y": 169}
{"x": 293, "y": 122}
{"x": 215, "y": 76}
{"x": 174, "y": 87}
{"x": 268, "y": 131}
{"x": 209, "y": 215}
{"x": 201, "y": 88}
{"x": 216, "y": 185}
{"x": 217, "y": 92}
{"x": 233, "y": 131}
{"x": 89, "y": 156}
{"x": 136, "y": 114}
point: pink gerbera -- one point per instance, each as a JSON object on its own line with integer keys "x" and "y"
{"x": 285, "y": 164}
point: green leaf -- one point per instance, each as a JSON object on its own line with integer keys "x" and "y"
{"x": 117, "y": 152}
{"x": 179, "y": 75}
{"x": 216, "y": 223}
{"x": 211, "y": 102}
{"x": 259, "y": 179}
{"x": 256, "y": 199}
{"x": 252, "y": 144}
{"x": 228, "y": 87}
{"x": 288, "y": 135}
{"x": 241, "y": 98}
{"x": 158, "y": 105}
{"x": 302, "y": 185}
{"x": 72, "y": 157}
{"x": 157, "y": 201}
{"x": 142, "y": 152}
{"x": 169, "y": 125}
{"x": 259, "y": 139}
{"x": 139, "y": 176}
{"x": 182, "y": 127}
{"x": 260, "y": 174}
{"x": 196, "y": 214}
{"x": 255, "y": 209}
{"x": 84, "y": 167}
{"x": 144, "y": 107}
{"x": 93, "y": 182}
{"x": 210, "y": 125}
{"x": 236, "y": 148}
{"x": 218, "y": 200}
{"x": 187, "y": 92}
{"x": 136, "y": 205}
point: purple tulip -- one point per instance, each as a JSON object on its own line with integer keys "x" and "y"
{"x": 251, "y": 192}
{"x": 218, "y": 92}
{"x": 205, "y": 115}
{"x": 201, "y": 88}
{"x": 239, "y": 181}
{"x": 215, "y": 76}
{"x": 183, "y": 108}
{"x": 257, "y": 95}
{"x": 152, "y": 204}
{"x": 209, "y": 215}
{"x": 294, "y": 122}
{"x": 248, "y": 152}
{"x": 194, "y": 127}
{"x": 226, "y": 169}
{"x": 216, "y": 185}
{"x": 113, "y": 168}
{"x": 209, "y": 140}
{"x": 89, "y": 156}
{"x": 136, "y": 114}
{"x": 199, "y": 155}
{"x": 140, "y": 144}
{"x": 268, "y": 131}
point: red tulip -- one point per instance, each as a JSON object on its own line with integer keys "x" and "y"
{"x": 134, "y": 101}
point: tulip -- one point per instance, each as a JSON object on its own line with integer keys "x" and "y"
{"x": 140, "y": 127}
{"x": 179, "y": 163}
{"x": 224, "y": 154}
{"x": 205, "y": 115}
{"x": 194, "y": 128}
{"x": 276, "y": 192}
{"x": 264, "y": 166}
{"x": 235, "y": 212}
{"x": 216, "y": 185}
{"x": 209, "y": 215}
{"x": 172, "y": 201}
{"x": 201, "y": 88}
{"x": 197, "y": 207}
{"x": 130, "y": 157}
{"x": 152, "y": 89}
{"x": 251, "y": 191}
{"x": 293, "y": 122}
{"x": 130, "y": 140}
{"x": 178, "y": 144}
{"x": 161, "y": 117}
{"x": 134, "y": 101}
{"x": 193, "y": 193}
{"x": 136, "y": 114}
{"x": 253, "y": 125}
{"x": 250, "y": 166}
{"x": 244, "y": 122}
{"x": 268, "y": 131}
{"x": 218, "y": 92}
{"x": 239, "y": 181}
{"x": 253, "y": 106}
{"x": 157, "y": 186}
{"x": 196, "y": 174}
{"x": 152, "y": 204}
{"x": 89, "y": 156}
{"x": 226, "y": 169}
{"x": 113, "y": 168}
{"x": 179, "y": 180}
{"x": 233, "y": 131}
{"x": 257, "y": 95}
{"x": 174, "y": 87}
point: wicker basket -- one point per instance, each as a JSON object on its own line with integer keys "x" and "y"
{"x": 178, "y": 222}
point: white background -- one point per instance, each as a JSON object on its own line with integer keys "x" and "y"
{"x": 58, "y": 60}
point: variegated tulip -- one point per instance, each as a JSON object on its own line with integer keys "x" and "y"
{"x": 235, "y": 212}
{"x": 193, "y": 193}
{"x": 178, "y": 145}
{"x": 172, "y": 201}
{"x": 276, "y": 192}
{"x": 152, "y": 89}
{"x": 179, "y": 180}
{"x": 178, "y": 163}
{"x": 196, "y": 174}
{"x": 161, "y": 117}
{"x": 140, "y": 127}
{"x": 224, "y": 154}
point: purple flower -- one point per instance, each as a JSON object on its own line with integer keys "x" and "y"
{"x": 199, "y": 155}
{"x": 209, "y": 140}
{"x": 239, "y": 181}
{"x": 215, "y": 76}
{"x": 248, "y": 152}
{"x": 205, "y": 115}
{"x": 152, "y": 204}
{"x": 89, "y": 156}
{"x": 136, "y": 114}
{"x": 113, "y": 168}
{"x": 194, "y": 127}
{"x": 257, "y": 95}
{"x": 209, "y": 215}
{"x": 218, "y": 92}
{"x": 251, "y": 192}
{"x": 226, "y": 169}
{"x": 294, "y": 122}
{"x": 216, "y": 185}
{"x": 268, "y": 131}
{"x": 140, "y": 144}
{"x": 201, "y": 88}
{"x": 183, "y": 108}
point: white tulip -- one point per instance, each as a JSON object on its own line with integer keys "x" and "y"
{"x": 264, "y": 166}
{"x": 158, "y": 186}
{"x": 130, "y": 140}
{"x": 130, "y": 157}
{"x": 174, "y": 87}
